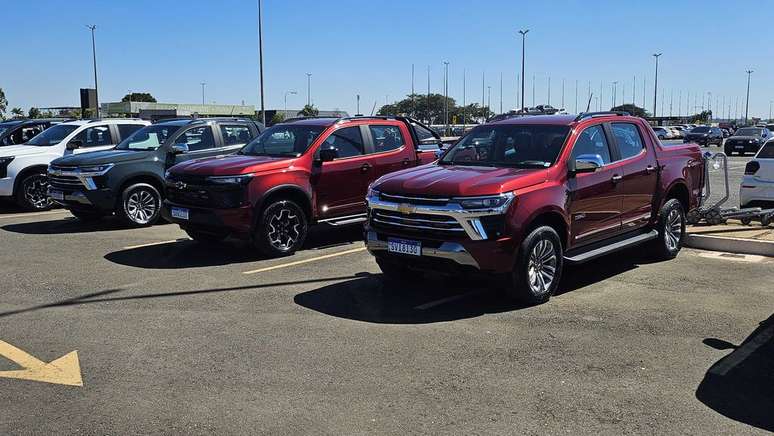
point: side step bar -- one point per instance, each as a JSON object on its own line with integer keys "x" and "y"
{"x": 345, "y": 220}
{"x": 607, "y": 249}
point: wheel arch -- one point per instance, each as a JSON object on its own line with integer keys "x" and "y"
{"x": 24, "y": 173}
{"x": 148, "y": 178}
{"x": 291, "y": 192}
{"x": 678, "y": 190}
{"x": 552, "y": 218}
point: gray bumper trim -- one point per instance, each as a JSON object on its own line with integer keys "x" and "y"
{"x": 448, "y": 250}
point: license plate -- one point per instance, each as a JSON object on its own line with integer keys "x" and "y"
{"x": 56, "y": 195}
{"x": 404, "y": 246}
{"x": 180, "y": 213}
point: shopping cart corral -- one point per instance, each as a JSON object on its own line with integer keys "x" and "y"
{"x": 713, "y": 212}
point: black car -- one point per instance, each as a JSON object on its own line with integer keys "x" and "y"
{"x": 15, "y": 132}
{"x": 747, "y": 139}
{"x": 705, "y": 135}
{"x": 129, "y": 180}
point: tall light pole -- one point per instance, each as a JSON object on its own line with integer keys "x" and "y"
{"x": 747, "y": 104}
{"x": 489, "y": 97}
{"x": 576, "y": 96}
{"x": 501, "y": 92}
{"x": 549, "y": 90}
{"x": 770, "y": 102}
{"x": 446, "y": 96}
{"x": 203, "y": 85}
{"x": 358, "y": 105}
{"x": 413, "y": 100}
{"x": 260, "y": 57}
{"x": 308, "y": 89}
{"x": 286, "y": 101}
{"x": 428, "y": 94}
{"x": 562, "y": 94}
{"x": 523, "y": 47}
{"x": 464, "y": 91}
{"x": 655, "y": 84}
{"x": 615, "y": 91}
{"x": 94, "y": 61}
{"x": 709, "y": 105}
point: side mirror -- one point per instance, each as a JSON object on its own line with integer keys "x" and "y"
{"x": 585, "y": 163}
{"x": 328, "y": 154}
{"x": 181, "y": 148}
{"x": 74, "y": 144}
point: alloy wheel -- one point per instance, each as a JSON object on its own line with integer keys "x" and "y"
{"x": 541, "y": 269}
{"x": 673, "y": 230}
{"x": 284, "y": 229}
{"x": 36, "y": 191}
{"x": 141, "y": 206}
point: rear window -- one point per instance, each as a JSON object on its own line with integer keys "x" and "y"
{"x": 767, "y": 152}
{"x": 701, "y": 130}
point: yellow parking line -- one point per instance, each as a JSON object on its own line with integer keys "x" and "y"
{"x": 300, "y": 262}
{"x": 150, "y": 244}
{"x": 22, "y": 215}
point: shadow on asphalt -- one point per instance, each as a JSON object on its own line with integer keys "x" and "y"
{"x": 70, "y": 225}
{"x": 186, "y": 253}
{"x": 378, "y": 300}
{"x": 740, "y": 386}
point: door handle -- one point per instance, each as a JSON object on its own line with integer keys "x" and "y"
{"x": 617, "y": 178}
{"x": 649, "y": 169}
{"x": 365, "y": 168}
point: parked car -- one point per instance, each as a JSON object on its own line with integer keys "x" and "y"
{"x": 726, "y": 133}
{"x": 747, "y": 139}
{"x": 128, "y": 181}
{"x": 757, "y": 189}
{"x": 293, "y": 175}
{"x": 662, "y": 132}
{"x": 678, "y": 131}
{"x": 705, "y": 135}
{"x": 15, "y": 132}
{"x": 23, "y": 167}
{"x": 520, "y": 198}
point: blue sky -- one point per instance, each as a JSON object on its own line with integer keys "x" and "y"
{"x": 367, "y": 47}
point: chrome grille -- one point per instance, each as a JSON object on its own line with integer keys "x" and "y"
{"x": 60, "y": 181}
{"x": 410, "y": 199}
{"x": 416, "y": 221}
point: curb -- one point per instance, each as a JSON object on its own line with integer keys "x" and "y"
{"x": 730, "y": 245}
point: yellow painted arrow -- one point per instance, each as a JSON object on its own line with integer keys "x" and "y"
{"x": 63, "y": 371}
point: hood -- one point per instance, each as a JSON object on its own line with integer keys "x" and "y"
{"x": 102, "y": 157}
{"x": 458, "y": 180}
{"x": 697, "y": 135}
{"x": 232, "y": 165}
{"x": 744, "y": 138}
{"x": 21, "y": 150}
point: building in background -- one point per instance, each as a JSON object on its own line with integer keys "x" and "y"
{"x": 156, "y": 111}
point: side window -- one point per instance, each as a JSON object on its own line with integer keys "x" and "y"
{"x": 198, "y": 138}
{"x": 234, "y": 134}
{"x": 126, "y": 130}
{"x": 422, "y": 133}
{"x": 386, "y": 138}
{"x": 347, "y": 141}
{"x": 95, "y": 136}
{"x": 592, "y": 141}
{"x": 627, "y": 136}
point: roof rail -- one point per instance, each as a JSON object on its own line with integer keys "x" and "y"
{"x": 584, "y": 115}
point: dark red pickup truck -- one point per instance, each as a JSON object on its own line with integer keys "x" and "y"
{"x": 297, "y": 173}
{"x": 523, "y": 196}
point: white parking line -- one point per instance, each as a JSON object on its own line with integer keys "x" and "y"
{"x": 150, "y": 244}
{"x": 22, "y": 215}
{"x": 446, "y": 300}
{"x": 300, "y": 262}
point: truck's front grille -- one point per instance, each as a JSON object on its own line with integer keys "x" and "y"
{"x": 411, "y": 199}
{"x": 415, "y": 222}
{"x": 194, "y": 191}
{"x": 64, "y": 182}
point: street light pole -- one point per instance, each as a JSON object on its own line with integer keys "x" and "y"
{"x": 203, "y": 85}
{"x": 523, "y": 47}
{"x": 501, "y": 92}
{"x": 286, "y": 101}
{"x": 94, "y": 60}
{"x": 446, "y": 96}
{"x": 464, "y": 92}
{"x": 358, "y": 105}
{"x": 747, "y": 105}
{"x": 655, "y": 84}
{"x": 308, "y": 89}
{"x": 615, "y": 90}
{"x": 260, "y": 57}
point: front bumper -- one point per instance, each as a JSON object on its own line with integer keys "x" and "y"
{"x": 100, "y": 199}
{"x": 452, "y": 251}
{"x": 236, "y": 221}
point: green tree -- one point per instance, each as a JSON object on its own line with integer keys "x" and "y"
{"x": 632, "y": 109}
{"x": 17, "y": 112}
{"x": 139, "y": 96}
{"x": 431, "y": 109}
{"x": 34, "y": 113}
{"x": 309, "y": 111}
{"x": 3, "y": 104}
{"x": 277, "y": 118}
{"x": 702, "y": 117}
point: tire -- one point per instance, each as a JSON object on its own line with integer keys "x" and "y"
{"x": 32, "y": 193}
{"x": 87, "y": 217}
{"x": 140, "y": 205}
{"x": 540, "y": 260}
{"x": 671, "y": 230}
{"x": 393, "y": 271}
{"x": 746, "y": 221}
{"x": 205, "y": 237}
{"x": 281, "y": 229}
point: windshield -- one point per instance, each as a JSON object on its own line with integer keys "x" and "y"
{"x": 283, "y": 140}
{"x": 148, "y": 138}
{"x": 701, "y": 130}
{"x": 748, "y": 132}
{"x": 521, "y": 146}
{"x": 3, "y": 129}
{"x": 767, "y": 152}
{"x": 53, "y": 135}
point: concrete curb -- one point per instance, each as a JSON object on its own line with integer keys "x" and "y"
{"x": 730, "y": 245}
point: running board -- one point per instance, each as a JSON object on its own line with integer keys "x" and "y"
{"x": 344, "y": 220}
{"x": 607, "y": 249}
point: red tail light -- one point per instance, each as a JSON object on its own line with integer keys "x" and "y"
{"x": 751, "y": 168}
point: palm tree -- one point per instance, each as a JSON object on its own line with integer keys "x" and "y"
{"x": 17, "y": 112}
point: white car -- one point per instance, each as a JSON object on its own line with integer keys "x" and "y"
{"x": 758, "y": 183}
{"x": 677, "y": 131}
{"x": 23, "y": 167}
{"x": 662, "y": 132}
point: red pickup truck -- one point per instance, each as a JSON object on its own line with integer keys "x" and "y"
{"x": 523, "y": 196}
{"x": 295, "y": 174}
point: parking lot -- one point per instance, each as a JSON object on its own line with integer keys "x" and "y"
{"x": 172, "y": 336}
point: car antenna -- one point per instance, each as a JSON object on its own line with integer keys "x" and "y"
{"x": 588, "y": 105}
{"x": 373, "y": 108}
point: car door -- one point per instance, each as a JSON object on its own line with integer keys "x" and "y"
{"x": 200, "y": 141}
{"x": 388, "y": 149}
{"x": 595, "y": 197}
{"x": 93, "y": 138}
{"x": 640, "y": 174}
{"x": 340, "y": 185}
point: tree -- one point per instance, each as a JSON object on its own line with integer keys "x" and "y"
{"x": 139, "y": 96}
{"x": 17, "y": 112}
{"x": 702, "y": 117}
{"x": 34, "y": 113}
{"x": 277, "y": 118}
{"x": 3, "y": 104}
{"x": 309, "y": 111}
{"x": 431, "y": 109}
{"x": 632, "y": 109}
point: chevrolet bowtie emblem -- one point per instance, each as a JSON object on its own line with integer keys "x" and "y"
{"x": 180, "y": 185}
{"x": 406, "y": 209}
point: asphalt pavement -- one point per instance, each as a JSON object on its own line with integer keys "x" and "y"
{"x": 174, "y": 337}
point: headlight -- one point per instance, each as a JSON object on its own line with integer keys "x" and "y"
{"x": 488, "y": 202}
{"x": 101, "y": 169}
{"x": 243, "y": 179}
